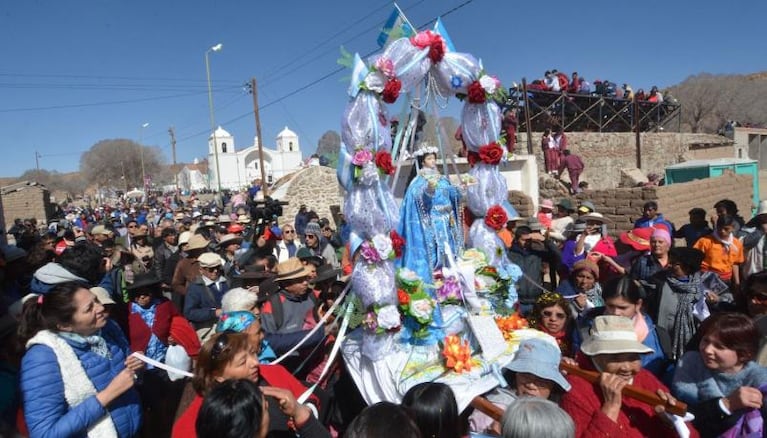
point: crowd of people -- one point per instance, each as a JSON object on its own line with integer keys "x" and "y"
{"x": 556, "y": 81}
{"x": 242, "y": 305}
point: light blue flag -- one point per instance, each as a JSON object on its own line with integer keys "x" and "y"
{"x": 396, "y": 27}
{"x": 439, "y": 28}
{"x": 359, "y": 71}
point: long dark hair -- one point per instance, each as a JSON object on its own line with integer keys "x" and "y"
{"x": 434, "y": 409}
{"x": 232, "y": 409}
{"x": 49, "y": 311}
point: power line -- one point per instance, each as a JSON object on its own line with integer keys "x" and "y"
{"x": 130, "y": 78}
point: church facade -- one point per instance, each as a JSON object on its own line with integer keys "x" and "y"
{"x": 239, "y": 168}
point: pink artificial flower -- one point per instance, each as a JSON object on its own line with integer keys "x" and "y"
{"x": 362, "y": 156}
{"x": 385, "y": 66}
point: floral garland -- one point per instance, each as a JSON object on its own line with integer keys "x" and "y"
{"x": 382, "y": 80}
{"x": 425, "y": 150}
{"x": 382, "y": 319}
{"x": 496, "y": 217}
{"x": 415, "y": 304}
{"x": 457, "y": 354}
{"x": 363, "y": 156}
{"x": 485, "y": 88}
{"x": 448, "y": 289}
{"x": 433, "y": 41}
{"x": 379, "y": 248}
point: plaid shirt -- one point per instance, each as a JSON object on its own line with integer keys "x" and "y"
{"x": 644, "y": 267}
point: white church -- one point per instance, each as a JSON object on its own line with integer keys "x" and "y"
{"x": 239, "y": 168}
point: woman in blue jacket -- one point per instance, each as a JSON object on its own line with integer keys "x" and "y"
{"x": 76, "y": 377}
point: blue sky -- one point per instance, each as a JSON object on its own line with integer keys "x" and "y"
{"x": 79, "y": 71}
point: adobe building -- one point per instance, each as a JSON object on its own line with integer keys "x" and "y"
{"x": 26, "y": 200}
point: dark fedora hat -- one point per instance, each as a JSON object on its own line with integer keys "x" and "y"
{"x": 144, "y": 280}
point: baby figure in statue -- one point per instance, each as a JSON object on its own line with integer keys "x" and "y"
{"x": 430, "y": 218}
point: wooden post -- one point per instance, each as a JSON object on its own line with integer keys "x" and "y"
{"x": 264, "y": 182}
{"x": 527, "y": 118}
{"x": 638, "y": 136}
{"x": 172, "y": 133}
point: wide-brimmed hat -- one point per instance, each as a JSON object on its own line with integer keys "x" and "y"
{"x": 596, "y": 217}
{"x": 576, "y": 227}
{"x": 209, "y": 260}
{"x": 100, "y": 230}
{"x": 235, "y": 228}
{"x": 224, "y": 219}
{"x": 183, "y": 238}
{"x": 760, "y": 216}
{"x": 326, "y": 272}
{"x": 612, "y": 334}
{"x": 179, "y": 216}
{"x": 102, "y": 295}
{"x": 243, "y": 219}
{"x": 229, "y": 239}
{"x": 291, "y": 269}
{"x": 540, "y": 358}
{"x": 638, "y": 238}
{"x": 566, "y": 204}
{"x": 547, "y": 203}
{"x": 144, "y": 280}
{"x": 534, "y": 224}
{"x": 255, "y": 272}
{"x": 197, "y": 241}
{"x": 586, "y": 206}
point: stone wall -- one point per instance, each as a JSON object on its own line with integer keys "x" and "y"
{"x": 604, "y": 154}
{"x": 26, "y": 201}
{"x": 624, "y": 205}
{"x": 315, "y": 186}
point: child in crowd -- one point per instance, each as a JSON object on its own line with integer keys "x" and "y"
{"x": 697, "y": 228}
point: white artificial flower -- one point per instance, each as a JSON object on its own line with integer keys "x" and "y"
{"x": 369, "y": 174}
{"x": 383, "y": 245}
{"x": 421, "y": 309}
{"x": 375, "y": 82}
{"x": 388, "y": 317}
{"x": 488, "y": 83}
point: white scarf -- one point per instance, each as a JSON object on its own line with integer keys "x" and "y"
{"x": 77, "y": 385}
{"x": 728, "y": 244}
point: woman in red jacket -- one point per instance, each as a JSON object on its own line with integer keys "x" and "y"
{"x": 599, "y": 409}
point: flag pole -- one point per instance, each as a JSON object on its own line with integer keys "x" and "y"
{"x": 404, "y": 17}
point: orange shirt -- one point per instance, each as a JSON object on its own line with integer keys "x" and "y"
{"x": 506, "y": 237}
{"x": 717, "y": 259}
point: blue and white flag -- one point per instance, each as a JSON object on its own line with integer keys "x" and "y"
{"x": 440, "y": 29}
{"x": 359, "y": 71}
{"x": 396, "y": 27}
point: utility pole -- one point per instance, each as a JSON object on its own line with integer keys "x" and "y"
{"x": 37, "y": 163}
{"x": 172, "y": 133}
{"x": 254, "y": 91}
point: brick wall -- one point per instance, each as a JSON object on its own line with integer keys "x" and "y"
{"x": 604, "y": 154}
{"x": 624, "y": 205}
{"x": 25, "y": 203}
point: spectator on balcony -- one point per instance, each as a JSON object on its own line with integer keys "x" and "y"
{"x": 655, "y": 95}
{"x": 640, "y": 95}
{"x": 551, "y": 81}
{"x": 575, "y": 83}
{"x": 564, "y": 83}
{"x": 628, "y": 93}
{"x": 584, "y": 86}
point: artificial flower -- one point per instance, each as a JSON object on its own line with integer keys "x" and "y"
{"x": 421, "y": 309}
{"x": 422, "y": 39}
{"x": 385, "y": 66}
{"x": 489, "y": 84}
{"x": 403, "y": 297}
{"x": 361, "y": 156}
{"x": 374, "y": 81}
{"x": 369, "y": 252}
{"x": 476, "y": 93}
{"x": 371, "y": 321}
{"x": 509, "y": 324}
{"x": 383, "y": 162}
{"x": 456, "y": 81}
{"x": 437, "y": 49}
{"x": 388, "y": 317}
{"x": 383, "y": 246}
{"x": 496, "y": 217}
{"x": 491, "y": 153}
{"x": 391, "y": 90}
{"x": 457, "y": 354}
{"x": 397, "y": 242}
{"x": 472, "y": 157}
{"x": 449, "y": 290}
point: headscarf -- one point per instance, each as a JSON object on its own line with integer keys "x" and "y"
{"x": 237, "y": 321}
{"x": 662, "y": 233}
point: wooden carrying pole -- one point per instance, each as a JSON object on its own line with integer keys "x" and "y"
{"x": 487, "y": 407}
{"x": 264, "y": 184}
{"x": 640, "y": 394}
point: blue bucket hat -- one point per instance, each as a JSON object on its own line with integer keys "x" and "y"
{"x": 540, "y": 358}
{"x": 237, "y": 321}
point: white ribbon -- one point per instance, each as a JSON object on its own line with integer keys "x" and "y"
{"x": 160, "y": 365}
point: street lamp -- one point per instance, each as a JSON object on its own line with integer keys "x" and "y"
{"x": 141, "y": 149}
{"x": 216, "y": 48}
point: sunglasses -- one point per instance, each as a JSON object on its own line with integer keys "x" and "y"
{"x": 131, "y": 226}
{"x": 311, "y": 235}
{"x": 550, "y": 314}
{"x": 327, "y": 229}
{"x": 213, "y": 269}
{"x": 221, "y": 345}
{"x": 289, "y": 232}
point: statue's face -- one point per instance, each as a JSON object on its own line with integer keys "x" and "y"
{"x": 430, "y": 161}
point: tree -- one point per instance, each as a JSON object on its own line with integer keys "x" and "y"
{"x": 71, "y": 183}
{"x": 328, "y": 146}
{"x": 117, "y": 163}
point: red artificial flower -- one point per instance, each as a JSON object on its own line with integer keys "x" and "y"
{"x": 403, "y": 297}
{"x": 391, "y": 90}
{"x": 491, "y": 153}
{"x": 496, "y": 217}
{"x": 436, "y": 49}
{"x": 472, "y": 157}
{"x": 476, "y": 93}
{"x": 397, "y": 242}
{"x": 383, "y": 162}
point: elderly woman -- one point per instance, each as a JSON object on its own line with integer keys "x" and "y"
{"x": 656, "y": 260}
{"x": 582, "y": 287}
{"x": 76, "y": 377}
{"x": 229, "y": 355}
{"x": 534, "y": 417}
{"x": 600, "y": 409}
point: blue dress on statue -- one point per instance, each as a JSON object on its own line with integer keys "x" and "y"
{"x": 430, "y": 218}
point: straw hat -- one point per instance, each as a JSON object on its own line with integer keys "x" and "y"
{"x": 596, "y": 217}
{"x": 183, "y": 238}
{"x": 291, "y": 269}
{"x": 197, "y": 242}
{"x": 243, "y": 219}
{"x": 229, "y": 239}
{"x": 612, "y": 334}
